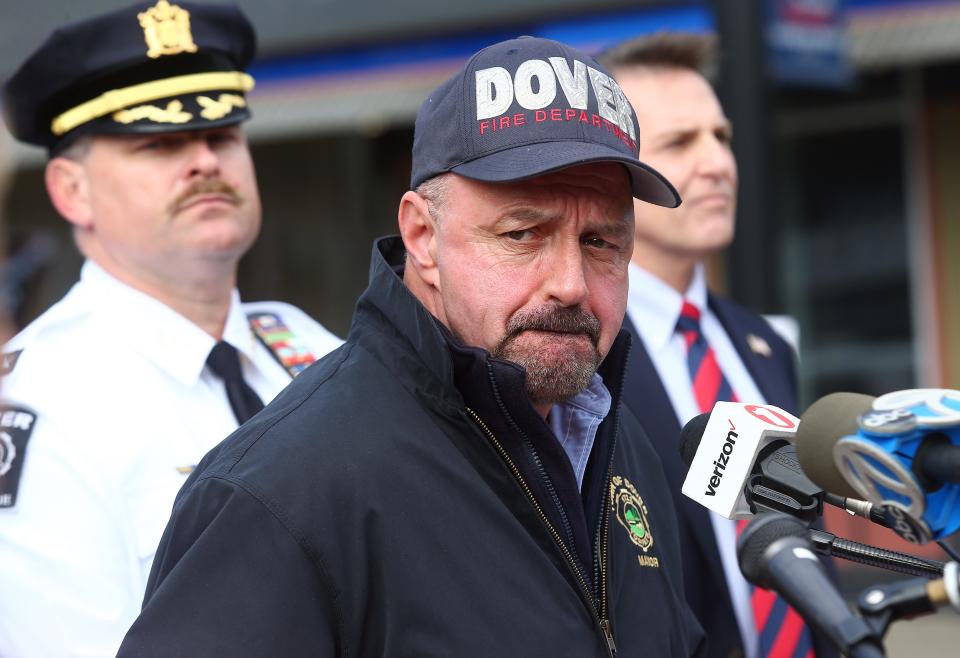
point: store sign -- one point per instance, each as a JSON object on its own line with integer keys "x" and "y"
{"x": 807, "y": 43}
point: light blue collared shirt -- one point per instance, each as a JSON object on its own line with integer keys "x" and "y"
{"x": 575, "y": 421}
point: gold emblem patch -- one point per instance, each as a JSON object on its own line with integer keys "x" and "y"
{"x": 626, "y": 503}
{"x": 166, "y": 29}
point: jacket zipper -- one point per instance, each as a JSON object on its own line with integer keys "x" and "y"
{"x": 603, "y": 539}
{"x": 535, "y": 457}
{"x": 603, "y": 534}
{"x": 602, "y": 622}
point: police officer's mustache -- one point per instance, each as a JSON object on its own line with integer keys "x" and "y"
{"x": 559, "y": 319}
{"x": 209, "y": 186}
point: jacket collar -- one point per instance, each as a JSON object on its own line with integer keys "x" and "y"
{"x": 405, "y": 336}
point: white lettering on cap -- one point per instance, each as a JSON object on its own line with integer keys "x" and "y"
{"x": 624, "y": 110}
{"x": 523, "y": 84}
{"x": 573, "y": 84}
{"x": 494, "y": 92}
{"x": 603, "y": 88}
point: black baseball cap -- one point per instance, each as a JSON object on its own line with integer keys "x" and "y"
{"x": 148, "y": 68}
{"x": 525, "y": 107}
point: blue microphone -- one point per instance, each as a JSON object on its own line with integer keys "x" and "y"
{"x": 900, "y": 451}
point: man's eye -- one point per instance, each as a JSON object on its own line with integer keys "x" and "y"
{"x": 679, "y": 142}
{"x": 220, "y": 138}
{"x": 725, "y": 137}
{"x": 521, "y": 235}
{"x": 160, "y": 143}
{"x": 597, "y": 242}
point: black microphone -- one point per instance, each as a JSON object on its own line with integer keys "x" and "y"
{"x": 775, "y": 553}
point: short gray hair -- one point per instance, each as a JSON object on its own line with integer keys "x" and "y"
{"x": 77, "y": 149}
{"x": 434, "y": 192}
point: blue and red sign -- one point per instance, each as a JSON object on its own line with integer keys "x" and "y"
{"x": 805, "y": 39}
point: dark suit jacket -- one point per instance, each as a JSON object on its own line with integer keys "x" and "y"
{"x": 775, "y": 376}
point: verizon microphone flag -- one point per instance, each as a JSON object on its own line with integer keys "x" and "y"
{"x": 734, "y": 435}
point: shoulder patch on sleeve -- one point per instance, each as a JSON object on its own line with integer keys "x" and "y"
{"x": 9, "y": 361}
{"x": 16, "y": 425}
{"x": 285, "y": 346}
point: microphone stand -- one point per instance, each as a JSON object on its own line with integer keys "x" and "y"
{"x": 799, "y": 498}
{"x": 881, "y": 605}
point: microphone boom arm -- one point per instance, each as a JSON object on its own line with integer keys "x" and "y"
{"x": 826, "y": 543}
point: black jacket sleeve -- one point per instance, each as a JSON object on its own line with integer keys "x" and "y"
{"x": 250, "y": 594}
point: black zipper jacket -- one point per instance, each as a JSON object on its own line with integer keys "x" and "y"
{"x": 403, "y": 498}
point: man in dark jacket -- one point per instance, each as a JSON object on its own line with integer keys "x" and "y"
{"x": 460, "y": 479}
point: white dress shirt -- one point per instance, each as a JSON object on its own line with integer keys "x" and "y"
{"x": 124, "y": 408}
{"x": 654, "y": 308}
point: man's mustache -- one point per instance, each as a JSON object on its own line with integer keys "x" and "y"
{"x": 211, "y": 186}
{"x": 559, "y": 319}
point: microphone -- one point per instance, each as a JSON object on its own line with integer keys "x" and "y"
{"x": 900, "y": 451}
{"x": 775, "y": 480}
{"x": 774, "y": 553}
{"x": 776, "y": 483}
{"x": 741, "y": 460}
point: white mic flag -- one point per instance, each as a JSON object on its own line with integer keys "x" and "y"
{"x": 734, "y": 435}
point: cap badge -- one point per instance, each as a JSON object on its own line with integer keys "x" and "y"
{"x": 166, "y": 29}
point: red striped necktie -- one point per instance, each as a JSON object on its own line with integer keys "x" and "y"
{"x": 780, "y": 629}
{"x": 709, "y": 384}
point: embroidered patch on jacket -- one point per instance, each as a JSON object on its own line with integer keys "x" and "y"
{"x": 631, "y": 513}
{"x": 16, "y": 425}
{"x": 285, "y": 347}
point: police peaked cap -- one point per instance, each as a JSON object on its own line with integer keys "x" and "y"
{"x": 148, "y": 68}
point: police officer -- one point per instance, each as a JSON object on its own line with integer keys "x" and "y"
{"x": 116, "y": 391}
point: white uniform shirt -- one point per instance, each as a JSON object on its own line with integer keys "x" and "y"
{"x": 124, "y": 406}
{"x": 654, "y": 308}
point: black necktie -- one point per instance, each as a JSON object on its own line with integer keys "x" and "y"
{"x": 225, "y": 364}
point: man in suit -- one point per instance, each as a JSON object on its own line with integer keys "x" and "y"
{"x": 692, "y": 347}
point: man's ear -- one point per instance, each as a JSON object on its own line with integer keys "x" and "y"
{"x": 419, "y": 232}
{"x": 69, "y": 190}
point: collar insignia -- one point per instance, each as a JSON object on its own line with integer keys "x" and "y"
{"x": 9, "y": 362}
{"x": 758, "y": 345}
{"x": 166, "y": 29}
{"x": 630, "y": 511}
